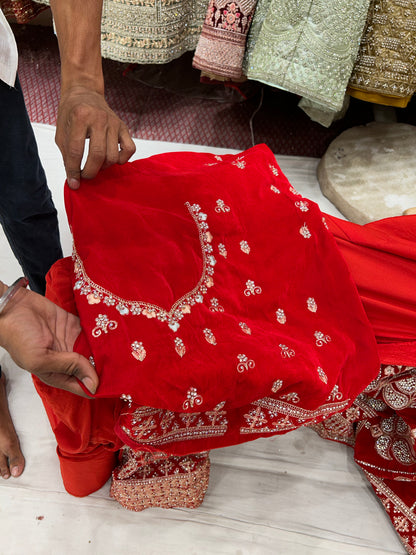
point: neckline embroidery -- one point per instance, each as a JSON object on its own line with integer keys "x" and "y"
{"x": 96, "y": 294}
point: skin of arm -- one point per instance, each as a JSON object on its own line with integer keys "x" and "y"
{"x": 40, "y": 337}
{"x": 83, "y": 111}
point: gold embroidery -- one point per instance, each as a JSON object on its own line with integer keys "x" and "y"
{"x": 244, "y": 363}
{"x": 244, "y": 246}
{"x": 215, "y": 306}
{"x": 222, "y": 250}
{"x": 182, "y": 306}
{"x": 321, "y": 339}
{"x": 252, "y": 288}
{"x": 103, "y": 324}
{"x": 281, "y": 316}
{"x": 286, "y": 352}
{"x": 138, "y": 351}
{"x": 244, "y": 327}
{"x": 221, "y": 207}
{"x": 179, "y": 346}
{"x": 192, "y": 398}
{"x": 304, "y": 231}
{"x": 209, "y": 336}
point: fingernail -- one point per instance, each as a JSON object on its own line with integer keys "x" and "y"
{"x": 89, "y": 384}
{"x": 73, "y": 183}
{"x": 15, "y": 471}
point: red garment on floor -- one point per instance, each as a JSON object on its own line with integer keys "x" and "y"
{"x": 216, "y": 304}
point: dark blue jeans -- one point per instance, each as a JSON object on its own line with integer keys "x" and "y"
{"x": 27, "y": 212}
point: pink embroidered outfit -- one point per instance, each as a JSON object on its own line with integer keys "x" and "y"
{"x": 216, "y": 307}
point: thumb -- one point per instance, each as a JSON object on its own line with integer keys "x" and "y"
{"x": 73, "y": 180}
{"x": 67, "y": 370}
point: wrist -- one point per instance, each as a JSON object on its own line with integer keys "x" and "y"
{"x": 10, "y": 294}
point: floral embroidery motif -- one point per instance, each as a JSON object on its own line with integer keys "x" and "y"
{"x": 222, "y": 250}
{"x": 221, "y": 207}
{"x": 92, "y": 299}
{"x": 244, "y": 363}
{"x": 230, "y": 17}
{"x": 92, "y": 361}
{"x": 138, "y": 351}
{"x": 244, "y": 246}
{"x": 400, "y": 394}
{"x": 394, "y": 440}
{"x": 286, "y": 352}
{"x": 240, "y": 162}
{"x": 290, "y": 397}
{"x": 217, "y": 157}
{"x": 321, "y": 338}
{"x": 179, "y": 346}
{"x": 245, "y": 328}
{"x": 325, "y": 224}
{"x": 215, "y": 305}
{"x": 209, "y": 336}
{"x": 304, "y": 231}
{"x": 281, "y": 316}
{"x": 255, "y": 418}
{"x": 335, "y": 394}
{"x": 311, "y": 303}
{"x": 181, "y": 307}
{"x": 274, "y": 170}
{"x": 322, "y": 374}
{"x": 294, "y": 191}
{"x": 303, "y": 205}
{"x": 192, "y": 398}
{"x": 103, "y": 324}
{"x": 126, "y": 398}
{"x": 275, "y": 189}
{"x": 252, "y": 288}
{"x": 277, "y": 385}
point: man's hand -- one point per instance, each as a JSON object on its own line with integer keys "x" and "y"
{"x": 83, "y": 113}
{"x": 40, "y": 337}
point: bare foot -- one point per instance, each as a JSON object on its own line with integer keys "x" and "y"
{"x": 12, "y": 461}
{"x": 409, "y": 211}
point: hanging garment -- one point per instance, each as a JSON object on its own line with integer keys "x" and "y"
{"x": 22, "y": 11}
{"x": 153, "y": 32}
{"x": 306, "y": 47}
{"x": 221, "y": 46}
{"x": 385, "y": 69}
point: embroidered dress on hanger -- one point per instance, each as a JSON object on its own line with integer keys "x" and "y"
{"x": 385, "y": 69}
{"x": 22, "y": 11}
{"x": 149, "y": 32}
{"x": 221, "y": 46}
{"x": 307, "y": 47}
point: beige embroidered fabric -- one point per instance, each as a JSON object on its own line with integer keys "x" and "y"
{"x": 307, "y": 47}
{"x": 150, "y": 31}
{"x": 385, "y": 69}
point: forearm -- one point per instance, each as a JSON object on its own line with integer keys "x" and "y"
{"x": 78, "y": 28}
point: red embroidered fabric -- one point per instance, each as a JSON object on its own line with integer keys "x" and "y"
{"x": 218, "y": 309}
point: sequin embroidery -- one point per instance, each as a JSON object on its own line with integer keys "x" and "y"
{"x": 87, "y": 287}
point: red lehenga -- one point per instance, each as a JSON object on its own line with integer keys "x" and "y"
{"x": 217, "y": 308}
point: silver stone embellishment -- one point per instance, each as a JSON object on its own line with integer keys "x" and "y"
{"x": 103, "y": 324}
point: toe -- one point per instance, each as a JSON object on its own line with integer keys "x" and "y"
{"x": 4, "y": 467}
{"x": 16, "y": 463}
